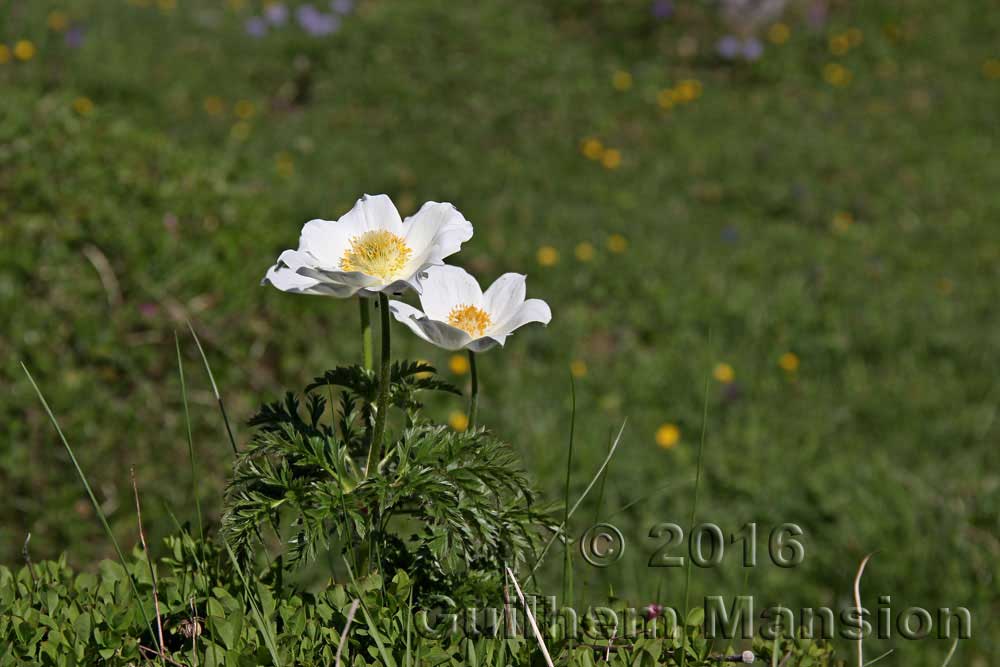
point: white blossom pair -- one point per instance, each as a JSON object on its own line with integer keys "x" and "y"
{"x": 371, "y": 250}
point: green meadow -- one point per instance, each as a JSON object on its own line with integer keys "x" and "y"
{"x": 786, "y": 268}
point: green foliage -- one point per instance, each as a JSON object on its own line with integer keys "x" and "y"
{"x": 52, "y": 615}
{"x": 444, "y": 506}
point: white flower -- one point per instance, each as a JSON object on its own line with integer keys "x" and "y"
{"x": 369, "y": 249}
{"x": 457, "y": 314}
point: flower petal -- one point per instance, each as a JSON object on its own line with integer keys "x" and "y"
{"x": 504, "y": 297}
{"x": 325, "y": 241}
{"x": 287, "y": 280}
{"x": 373, "y": 212}
{"x": 532, "y": 310}
{"x": 434, "y": 232}
{"x": 486, "y": 343}
{"x": 434, "y": 332}
{"x": 445, "y": 287}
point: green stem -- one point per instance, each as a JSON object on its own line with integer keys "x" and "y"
{"x": 474, "y": 395}
{"x": 382, "y": 406}
{"x": 190, "y": 438}
{"x": 367, "y": 348}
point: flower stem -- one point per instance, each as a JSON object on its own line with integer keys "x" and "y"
{"x": 382, "y": 406}
{"x": 474, "y": 395}
{"x": 367, "y": 349}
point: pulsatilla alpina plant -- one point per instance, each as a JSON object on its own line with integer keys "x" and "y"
{"x": 451, "y": 509}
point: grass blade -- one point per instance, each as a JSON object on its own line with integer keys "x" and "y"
{"x": 149, "y": 558}
{"x": 387, "y": 659}
{"x": 694, "y": 514}
{"x": 531, "y": 619}
{"x": 190, "y": 437}
{"x": 857, "y": 605}
{"x": 567, "y": 572}
{"x": 607, "y": 460}
{"x": 346, "y": 630}
{"x": 947, "y": 658}
{"x": 884, "y": 655}
{"x": 215, "y": 388}
{"x": 93, "y": 501}
{"x": 272, "y": 647}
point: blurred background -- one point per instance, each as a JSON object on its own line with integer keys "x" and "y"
{"x": 793, "y": 201}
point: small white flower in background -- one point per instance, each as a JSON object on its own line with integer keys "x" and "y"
{"x": 457, "y": 314}
{"x": 370, "y": 249}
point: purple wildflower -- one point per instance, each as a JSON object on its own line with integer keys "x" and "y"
{"x": 752, "y": 49}
{"x": 276, "y": 14}
{"x": 74, "y": 36}
{"x": 316, "y": 22}
{"x": 342, "y": 6}
{"x": 732, "y": 392}
{"x": 730, "y": 234}
{"x": 256, "y": 26}
{"x": 661, "y": 9}
{"x": 728, "y": 47}
{"x": 816, "y": 14}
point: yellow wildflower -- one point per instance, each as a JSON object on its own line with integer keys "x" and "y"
{"x": 57, "y": 21}
{"x": 547, "y": 255}
{"x": 83, "y": 106}
{"x": 724, "y": 373}
{"x": 836, "y": 74}
{"x": 617, "y": 243}
{"x": 779, "y": 33}
{"x": 611, "y": 159}
{"x": 24, "y": 50}
{"x": 621, "y": 80}
{"x": 789, "y": 362}
{"x": 667, "y": 436}
{"x": 458, "y": 364}
{"x": 458, "y": 420}
{"x": 244, "y": 109}
{"x": 584, "y": 251}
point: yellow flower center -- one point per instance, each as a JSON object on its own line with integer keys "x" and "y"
{"x": 473, "y": 321}
{"x": 378, "y": 253}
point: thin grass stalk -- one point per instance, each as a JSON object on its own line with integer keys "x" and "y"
{"x": 93, "y": 501}
{"x": 857, "y": 605}
{"x": 694, "y": 515}
{"x": 531, "y": 620}
{"x": 566, "y": 586}
{"x": 215, "y": 389}
{"x": 197, "y": 561}
{"x": 190, "y": 438}
{"x": 265, "y": 630}
{"x": 382, "y": 407}
{"x": 947, "y": 658}
{"x": 372, "y": 628}
{"x": 884, "y": 655}
{"x": 572, "y": 511}
{"x": 149, "y": 558}
{"x": 194, "y": 632}
{"x": 346, "y": 630}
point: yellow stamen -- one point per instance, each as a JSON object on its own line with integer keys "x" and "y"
{"x": 473, "y": 321}
{"x": 378, "y": 253}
